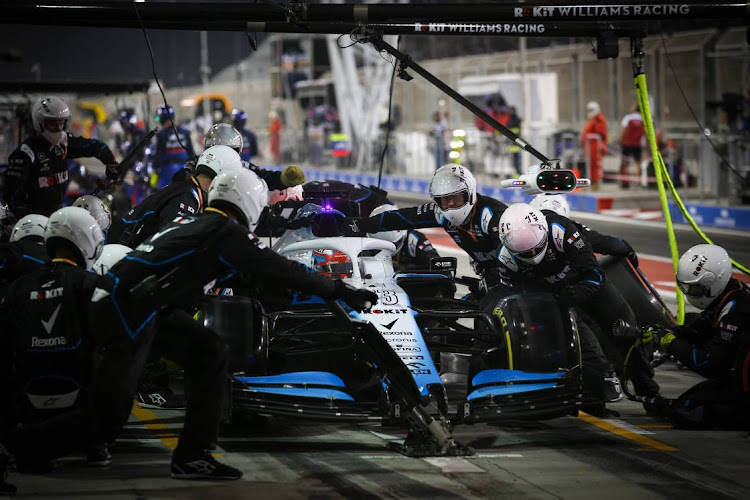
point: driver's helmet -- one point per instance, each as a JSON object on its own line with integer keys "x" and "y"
{"x": 332, "y": 263}
{"x": 703, "y": 273}
{"x": 396, "y": 237}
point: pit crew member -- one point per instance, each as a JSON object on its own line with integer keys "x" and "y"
{"x": 182, "y": 198}
{"x": 548, "y": 252}
{"x": 37, "y": 177}
{"x": 170, "y": 271}
{"x": 715, "y": 345}
{"x": 45, "y": 356}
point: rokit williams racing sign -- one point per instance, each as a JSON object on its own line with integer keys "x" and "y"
{"x": 520, "y": 28}
{"x": 602, "y": 11}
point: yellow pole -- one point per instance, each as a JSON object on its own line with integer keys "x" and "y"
{"x": 642, "y": 92}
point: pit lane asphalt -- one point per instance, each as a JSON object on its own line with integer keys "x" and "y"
{"x": 577, "y": 458}
{"x": 633, "y": 456}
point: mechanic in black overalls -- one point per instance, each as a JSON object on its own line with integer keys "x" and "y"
{"x": 716, "y": 345}
{"x": 414, "y": 252}
{"x": 603, "y": 244}
{"x": 223, "y": 134}
{"x": 25, "y": 252}
{"x": 547, "y": 251}
{"x": 45, "y": 347}
{"x": 468, "y": 217}
{"x": 179, "y": 199}
{"x": 168, "y": 272}
{"x": 37, "y": 177}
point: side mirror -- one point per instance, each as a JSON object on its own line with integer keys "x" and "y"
{"x": 449, "y": 264}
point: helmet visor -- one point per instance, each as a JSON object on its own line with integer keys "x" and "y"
{"x": 532, "y": 252}
{"x": 452, "y": 201}
{"x": 693, "y": 289}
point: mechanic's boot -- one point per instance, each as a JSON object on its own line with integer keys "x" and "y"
{"x": 201, "y": 465}
{"x": 612, "y": 388}
{"x": 160, "y": 399}
{"x": 98, "y": 456}
{"x": 5, "y": 461}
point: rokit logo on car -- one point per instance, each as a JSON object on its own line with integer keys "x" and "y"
{"x": 386, "y": 311}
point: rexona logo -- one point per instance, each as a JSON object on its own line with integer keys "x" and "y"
{"x": 50, "y": 342}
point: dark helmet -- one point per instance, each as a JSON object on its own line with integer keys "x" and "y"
{"x": 128, "y": 120}
{"x": 239, "y": 118}
{"x": 164, "y": 114}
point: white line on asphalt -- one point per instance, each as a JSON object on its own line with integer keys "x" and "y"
{"x": 450, "y": 465}
{"x": 388, "y": 437}
{"x": 497, "y": 455}
{"x": 632, "y": 428}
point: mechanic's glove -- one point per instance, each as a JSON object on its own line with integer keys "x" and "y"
{"x": 112, "y": 171}
{"x": 356, "y": 298}
{"x": 632, "y": 256}
{"x": 292, "y": 176}
{"x": 656, "y": 336}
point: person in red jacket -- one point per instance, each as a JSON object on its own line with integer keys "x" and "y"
{"x": 594, "y": 141}
{"x": 630, "y": 138}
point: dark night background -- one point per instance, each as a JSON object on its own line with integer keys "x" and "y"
{"x": 114, "y": 54}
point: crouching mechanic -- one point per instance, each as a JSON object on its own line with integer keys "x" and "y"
{"x": 45, "y": 348}
{"x": 179, "y": 199}
{"x": 413, "y": 250}
{"x": 547, "y": 253}
{"x": 715, "y": 345}
{"x": 148, "y": 291}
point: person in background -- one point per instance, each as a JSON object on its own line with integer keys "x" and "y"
{"x": 274, "y": 132}
{"x": 631, "y": 135}
{"x": 438, "y": 130}
{"x": 173, "y": 147}
{"x": 249, "y": 141}
{"x": 514, "y": 124}
{"x": 594, "y": 142}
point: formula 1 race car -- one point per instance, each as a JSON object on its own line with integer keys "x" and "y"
{"x": 408, "y": 363}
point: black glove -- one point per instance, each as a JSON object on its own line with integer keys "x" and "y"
{"x": 356, "y": 298}
{"x": 112, "y": 172}
{"x": 632, "y": 256}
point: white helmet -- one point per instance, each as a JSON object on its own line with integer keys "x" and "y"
{"x": 593, "y": 109}
{"x": 454, "y": 190}
{"x": 703, "y": 273}
{"x": 216, "y": 160}
{"x": 50, "y": 108}
{"x": 523, "y": 231}
{"x": 97, "y": 208}
{"x": 244, "y": 190}
{"x": 223, "y": 134}
{"x": 554, "y": 202}
{"x": 111, "y": 255}
{"x": 396, "y": 237}
{"x": 31, "y": 225}
{"x": 79, "y": 227}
